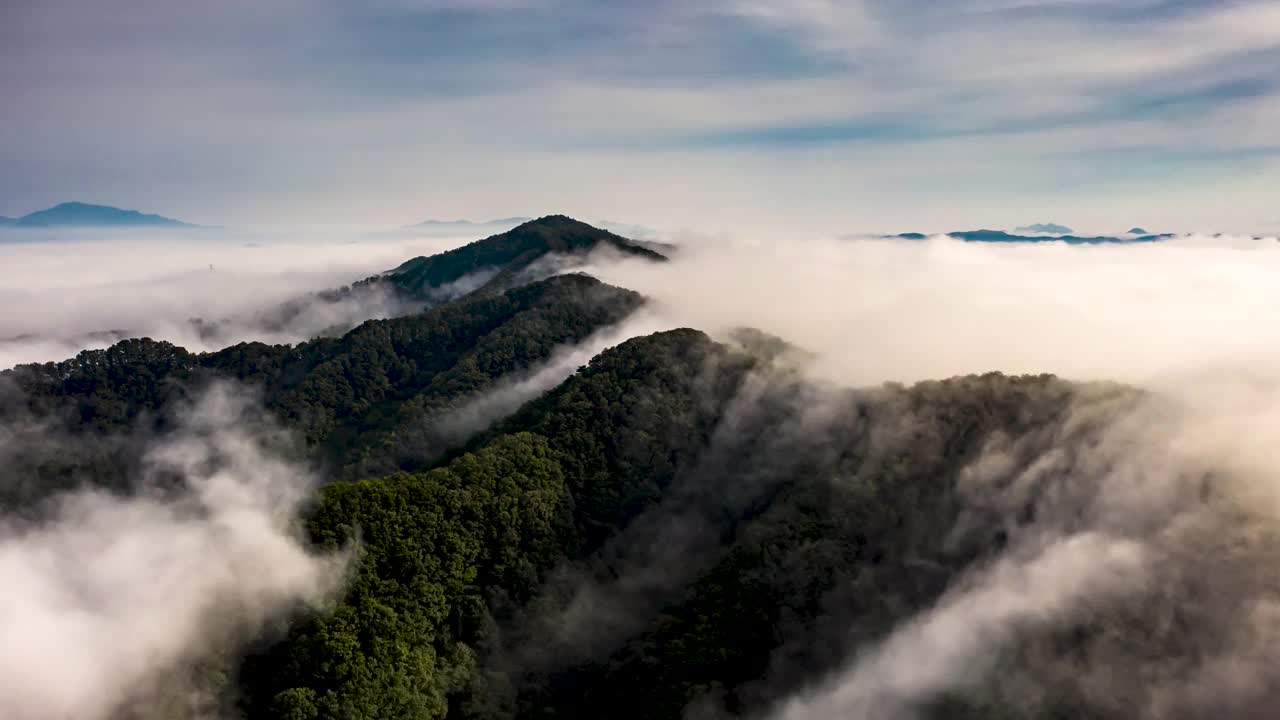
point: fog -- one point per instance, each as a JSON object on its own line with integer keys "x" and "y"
{"x": 1154, "y": 513}
{"x": 476, "y": 414}
{"x": 108, "y": 598}
{"x": 1144, "y": 586}
{"x": 877, "y": 310}
{"x": 1161, "y": 512}
{"x": 85, "y": 289}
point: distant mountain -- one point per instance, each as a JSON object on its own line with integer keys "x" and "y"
{"x": 630, "y": 230}
{"x": 78, "y": 214}
{"x": 453, "y": 228}
{"x": 1138, "y": 231}
{"x": 537, "y": 247}
{"x": 1048, "y": 228}
{"x": 7, "y": 221}
{"x": 1000, "y": 236}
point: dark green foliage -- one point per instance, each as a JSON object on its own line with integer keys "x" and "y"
{"x": 424, "y": 547}
{"x": 508, "y": 254}
{"x": 734, "y": 529}
{"x": 822, "y": 514}
{"x": 364, "y": 403}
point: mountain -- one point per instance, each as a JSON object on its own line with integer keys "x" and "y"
{"x": 1137, "y": 231}
{"x": 1000, "y": 236}
{"x": 1046, "y": 228}
{"x": 677, "y": 527}
{"x": 459, "y": 228}
{"x": 542, "y": 246}
{"x": 538, "y": 249}
{"x": 5, "y": 221}
{"x": 76, "y": 214}
{"x": 406, "y": 371}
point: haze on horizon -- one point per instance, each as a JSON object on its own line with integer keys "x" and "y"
{"x": 725, "y": 115}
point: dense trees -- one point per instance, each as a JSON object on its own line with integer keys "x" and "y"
{"x": 425, "y": 545}
{"x": 680, "y": 524}
{"x": 508, "y": 258}
{"x": 739, "y": 517}
{"x": 361, "y": 401}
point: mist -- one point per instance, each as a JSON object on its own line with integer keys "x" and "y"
{"x": 111, "y": 599}
{"x": 1161, "y": 511}
{"x": 875, "y": 310}
{"x": 479, "y": 413}
{"x": 87, "y": 289}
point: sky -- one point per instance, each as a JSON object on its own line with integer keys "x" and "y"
{"x": 732, "y": 116}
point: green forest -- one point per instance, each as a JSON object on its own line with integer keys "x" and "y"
{"x": 684, "y": 527}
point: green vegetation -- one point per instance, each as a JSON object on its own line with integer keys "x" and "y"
{"x": 359, "y": 401}
{"x": 510, "y": 255}
{"x": 680, "y": 524}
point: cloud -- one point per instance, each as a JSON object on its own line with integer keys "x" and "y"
{"x": 478, "y": 413}
{"x": 876, "y": 310}
{"x": 954, "y": 643}
{"x": 153, "y": 282}
{"x": 308, "y": 115}
{"x": 1141, "y": 524}
{"x": 109, "y": 597}
{"x": 1141, "y": 533}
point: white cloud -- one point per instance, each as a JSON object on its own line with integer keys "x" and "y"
{"x": 880, "y": 310}
{"x": 108, "y": 595}
{"x": 151, "y": 282}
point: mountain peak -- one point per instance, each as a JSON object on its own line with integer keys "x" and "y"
{"x": 505, "y": 256}
{"x": 1049, "y": 228}
{"x": 76, "y": 213}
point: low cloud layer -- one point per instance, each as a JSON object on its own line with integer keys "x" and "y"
{"x": 89, "y": 288}
{"x": 1149, "y": 520}
{"x": 107, "y": 598}
{"x": 1138, "y": 580}
{"x": 877, "y": 310}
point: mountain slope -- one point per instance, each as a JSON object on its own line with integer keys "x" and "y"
{"x": 684, "y": 528}
{"x": 382, "y": 383}
{"x": 713, "y": 532}
{"x": 75, "y": 214}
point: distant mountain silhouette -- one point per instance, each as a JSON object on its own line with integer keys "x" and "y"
{"x": 447, "y": 228}
{"x": 7, "y": 220}
{"x": 1138, "y": 231}
{"x": 1049, "y": 228}
{"x": 1000, "y": 236}
{"x": 78, "y": 214}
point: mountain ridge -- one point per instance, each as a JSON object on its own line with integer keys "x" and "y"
{"x": 1000, "y": 236}
{"x": 82, "y": 214}
{"x": 1049, "y": 228}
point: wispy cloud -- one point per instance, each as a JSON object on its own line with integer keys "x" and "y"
{"x": 342, "y": 111}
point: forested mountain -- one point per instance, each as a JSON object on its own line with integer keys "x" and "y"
{"x": 343, "y": 396}
{"x": 682, "y": 528}
{"x": 537, "y": 247}
{"x": 532, "y": 251}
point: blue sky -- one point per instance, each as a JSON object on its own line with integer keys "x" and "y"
{"x": 735, "y": 115}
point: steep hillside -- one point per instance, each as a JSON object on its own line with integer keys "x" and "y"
{"x": 376, "y": 384}
{"x": 688, "y": 528}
